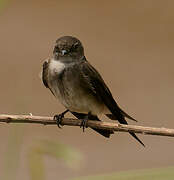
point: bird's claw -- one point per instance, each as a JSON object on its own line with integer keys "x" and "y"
{"x": 58, "y": 118}
{"x": 84, "y": 124}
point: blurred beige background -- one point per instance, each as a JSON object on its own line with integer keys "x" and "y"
{"x": 131, "y": 43}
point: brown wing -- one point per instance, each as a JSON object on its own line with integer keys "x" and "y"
{"x": 45, "y": 73}
{"x": 100, "y": 89}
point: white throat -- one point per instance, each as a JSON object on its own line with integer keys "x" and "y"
{"x": 56, "y": 66}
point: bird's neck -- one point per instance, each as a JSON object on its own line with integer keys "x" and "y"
{"x": 68, "y": 59}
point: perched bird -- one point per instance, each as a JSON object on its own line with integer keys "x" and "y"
{"x": 79, "y": 87}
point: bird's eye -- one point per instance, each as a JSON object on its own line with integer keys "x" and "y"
{"x": 75, "y": 46}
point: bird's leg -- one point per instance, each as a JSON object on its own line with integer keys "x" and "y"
{"x": 84, "y": 121}
{"x": 58, "y": 118}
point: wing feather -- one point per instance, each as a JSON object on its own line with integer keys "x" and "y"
{"x": 100, "y": 89}
{"x": 45, "y": 74}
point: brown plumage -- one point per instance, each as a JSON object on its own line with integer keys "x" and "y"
{"x": 79, "y": 86}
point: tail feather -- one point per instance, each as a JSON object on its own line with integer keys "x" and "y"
{"x": 127, "y": 115}
{"x": 111, "y": 116}
{"x": 105, "y": 133}
{"x": 134, "y": 135}
{"x": 122, "y": 120}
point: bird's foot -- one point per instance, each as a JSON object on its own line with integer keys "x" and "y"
{"x": 58, "y": 118}
{"x": 83, "y": 124}
{"x": 84, "y": 121}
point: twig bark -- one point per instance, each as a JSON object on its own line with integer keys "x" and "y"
{"x": 94, "y": 124}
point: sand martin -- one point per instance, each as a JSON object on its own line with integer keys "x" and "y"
{"x": 79, "y": 87}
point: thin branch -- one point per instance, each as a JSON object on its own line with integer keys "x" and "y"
{"x": 93, "y": 124}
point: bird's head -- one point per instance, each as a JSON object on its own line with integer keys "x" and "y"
{"x": 68, "y": 46}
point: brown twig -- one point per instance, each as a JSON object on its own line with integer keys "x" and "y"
{"x": 94, "y": 124}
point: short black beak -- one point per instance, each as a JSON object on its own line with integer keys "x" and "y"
{"x": 64, "y": 52}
